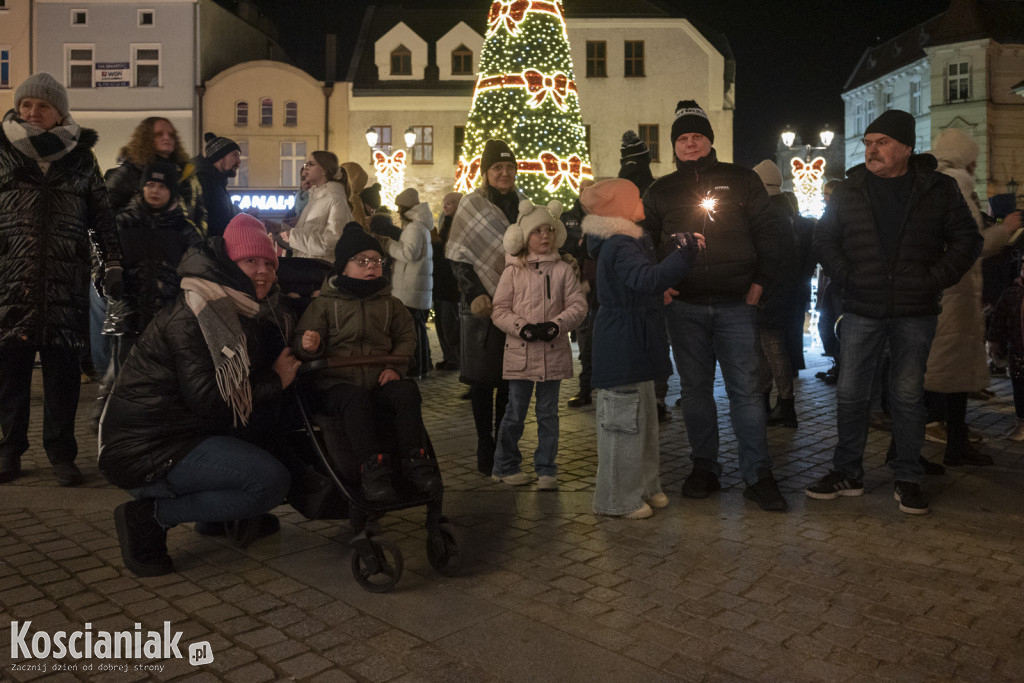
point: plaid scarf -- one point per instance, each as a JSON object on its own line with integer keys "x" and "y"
{"x": 478, "y": 229}
{"x": 217, "y": 309}
{"x": 41, "y": 145}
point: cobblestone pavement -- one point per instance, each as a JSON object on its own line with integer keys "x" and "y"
{"x": 705, "y": 590}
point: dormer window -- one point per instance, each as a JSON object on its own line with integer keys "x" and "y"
{"x": 462, "y": 61}
{"x": 401, "y": 61}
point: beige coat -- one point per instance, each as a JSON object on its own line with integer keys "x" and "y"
{"x": 957, "y": 362}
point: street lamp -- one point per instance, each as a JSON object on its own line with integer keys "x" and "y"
{"x": 390, "y": 168}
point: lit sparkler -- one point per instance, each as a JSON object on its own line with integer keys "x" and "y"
{"x": 709, "y": 204}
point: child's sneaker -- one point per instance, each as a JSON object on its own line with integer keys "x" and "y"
{"x": 547, "y": 483}
{"x": 658, "y": 500}
{"x": 518, "y": 479}
{"x": 642, "y": 513}
{"x": 376, "y": 480}
{"x": 420, "y": 471}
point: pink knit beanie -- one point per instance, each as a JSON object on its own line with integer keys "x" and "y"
{"x": 245, "y": 237}
{"x": 613, "y": 198}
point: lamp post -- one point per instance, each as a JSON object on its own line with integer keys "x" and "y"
{"x": 390, "y": 168}
{"x": 807, "y": 172}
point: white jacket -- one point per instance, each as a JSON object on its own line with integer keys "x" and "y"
{"x": 323, "y": 218}
{"x": 413, "y": 280}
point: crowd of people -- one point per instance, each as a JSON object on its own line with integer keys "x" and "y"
{"x": 710, "y": 265}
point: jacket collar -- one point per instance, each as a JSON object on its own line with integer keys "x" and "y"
{"x": 700, "y": 165}
{"x": 921, "y": 165}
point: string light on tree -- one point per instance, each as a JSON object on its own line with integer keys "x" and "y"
{"x": 526, "y": 95}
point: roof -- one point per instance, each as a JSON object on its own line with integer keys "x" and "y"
{"x": 1000, "y": 20}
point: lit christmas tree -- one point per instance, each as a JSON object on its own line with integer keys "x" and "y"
{"x": 526, "y": 95}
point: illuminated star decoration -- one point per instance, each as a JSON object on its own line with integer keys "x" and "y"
{"x": 390, "y": 175}
{"x": 526, "y": 95}
{"x": 807, "y": 185}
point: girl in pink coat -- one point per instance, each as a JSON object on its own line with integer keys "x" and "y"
{"x": 537, "y": 303}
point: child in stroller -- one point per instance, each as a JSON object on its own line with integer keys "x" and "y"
{"x": 355, "y": 315}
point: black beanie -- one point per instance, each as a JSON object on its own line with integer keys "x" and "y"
{"x": 690, "y": 118}
{"x": 160, "y": 171}
{"x": 633, "y": 150}
{"x": 218, "y": 148}
{"x": 371, "y": 196}
{"x": 495, "y": 151}
{"x": 899, "y": 125}
{"x": 352, "y": 241}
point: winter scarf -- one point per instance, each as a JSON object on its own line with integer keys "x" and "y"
{"x": 41, "y": 145}
{"x": 217, "y": 308}
{"x": 478, "y": 229}
{"x": 356, "y": 287}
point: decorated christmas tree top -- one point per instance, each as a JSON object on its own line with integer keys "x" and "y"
{"x": 526, "y": 95}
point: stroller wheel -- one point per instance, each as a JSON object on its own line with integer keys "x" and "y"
{"x": 443, "y": 550}
{"x": 378, "y": 568}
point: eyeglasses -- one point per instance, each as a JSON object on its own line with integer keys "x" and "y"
{"x": 309, "y": 164}
{"x": 543, "y": 230}
{"x": 364, "y": 262}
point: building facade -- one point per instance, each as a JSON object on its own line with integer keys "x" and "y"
{"x": 15, "y": 50}
{"x": 956, "y": 70}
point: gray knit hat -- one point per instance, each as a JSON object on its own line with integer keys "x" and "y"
{"x": 217, "y": 148}
{"x": 43, "y": 86}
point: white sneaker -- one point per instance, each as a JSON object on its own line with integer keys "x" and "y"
{"x": 518, "y": 479}
{"x": 642, "y": 513}
{"x": 658, "y": 500}
{"x": 547, "y": 483}
{"x": 1017, "y": 433}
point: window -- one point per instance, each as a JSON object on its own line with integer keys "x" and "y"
{"x": 462, "y": 61}
{"x": 146, "y": 17}
{"x": 597, "y": 66}
{"x": 423, "y": 150}
{"x": 649, "y": 134}
{"x": 401, "y": 61}
{"x": 586, "y": 136}
{"x": 241, "y": 178}
{"x": 459, "y": 137}
{"x": 959, "y": 79}
{"x": 870, "y": 111}
{"x": 634, "y": 59}
{"x": 291, "y": 113}
{"x": 146, "y": 66}
{"x": 79, "y": 17}
{"x": 241, "y": 113}
{"x": 293, "y": 156}
{"x": 858, "y": 117}
{"x": 383, "y": 140}
{"x": 887, "y": 100}
{"x": 266, "y": 112}
{"x": 79, "y": 66}
{"x": 915, "y": 98}
{"x": 5, "y": 66}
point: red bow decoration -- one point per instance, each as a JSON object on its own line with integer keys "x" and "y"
{"x": 561, "y": 170}
{"x": 385, "y": 164}
{"x": 541, "y": 87}
{"x": 511, "y": 13}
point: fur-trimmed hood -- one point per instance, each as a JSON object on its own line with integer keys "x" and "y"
{"x": 605, "y": 227}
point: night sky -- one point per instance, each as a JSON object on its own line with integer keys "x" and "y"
{"x": 792, "y": 58}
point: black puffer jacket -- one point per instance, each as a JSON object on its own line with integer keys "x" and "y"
{"x": 49, "y": 225}
{"x": 216, "y": 200}
{"x": 152, "y": 244}
{"x": 938, "y": 242}
{"x": 166, "y": 402}
{"x": 742, "y": 234}
{"x": 123, "y": 183}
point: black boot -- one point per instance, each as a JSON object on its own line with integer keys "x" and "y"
{"x": 376, "y": 480}
{"x": 783, "y": 414}
{"x": 143, "y": 541}
{"x": 420, "y": 470}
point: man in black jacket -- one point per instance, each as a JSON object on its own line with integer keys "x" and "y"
{"x": 895, "y": 234}
{"x": 223, "y": 157}
{"x": 712, "y": 315}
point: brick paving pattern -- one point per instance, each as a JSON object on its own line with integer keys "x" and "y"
{"x": 705, "y": 590}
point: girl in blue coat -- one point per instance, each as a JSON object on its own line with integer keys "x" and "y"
{"x": 629, "y": 346}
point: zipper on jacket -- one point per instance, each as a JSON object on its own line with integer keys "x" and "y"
{"x": 547, "y": 285}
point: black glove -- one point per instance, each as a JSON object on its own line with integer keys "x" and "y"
{"x": 529, "y": 332}
{"x": 113, "y": 285}
{"x": 687, "y": 244}
{"x": 547, "y": 331}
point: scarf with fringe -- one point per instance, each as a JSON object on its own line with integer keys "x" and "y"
{"x": 217, "y": 309}
{"x": 41, "y": 145}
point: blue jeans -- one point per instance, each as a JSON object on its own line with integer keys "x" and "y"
{"x": 221, "y": 479}
{"x": 627, "y": 448}
{"x": 910, "y": 340}
{"x": 508, "y": 459}
{"x": 700, "y": 334}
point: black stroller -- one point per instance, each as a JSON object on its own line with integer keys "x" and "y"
{"x": 319, "y": 492}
